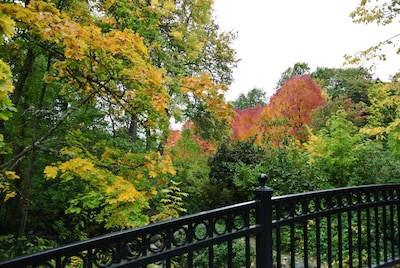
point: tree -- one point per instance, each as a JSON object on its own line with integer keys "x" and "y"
{"x": 223, "y": 165}
{"x": 290, "y": 109}
{"x": 381, "y": 13}
{"x": 189, "y": 156}
{"x": 351, "y": 82}
{"x": 254, "y": 97}
{"x": 6, "y": 108}
{"x": 333, "y": 149}
{"x": 298, "y": 69}
{"x": 355, "y": 112}
{"x": 384, "y": 114}
{"x": 247, "y": 124}
{"x": 96, "y": 84}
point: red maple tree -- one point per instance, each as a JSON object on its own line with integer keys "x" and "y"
{"x": 290, "y": 108}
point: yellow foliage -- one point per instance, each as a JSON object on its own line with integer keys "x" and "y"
{"x": 152, "y": 174}
{"x": 313, "y": 146}
{"x": 77, "y": 165}
{"x": 378, "y": 132}
{"x": 122, "y": 191}
{"x": 9, "y": 195}
{"x": 6, "y": 26}
{"x": 50, "y": 172}
{"x": 177, "y": 35}
{"x": 11, "y": 175}
{"x": 5, "y": 186}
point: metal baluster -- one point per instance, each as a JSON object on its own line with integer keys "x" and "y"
{"x": 350, "y": 236}
{"x": 392, "y": 231}
{"x": 377, "y": 248}
{"x": 369, "y": 236}
{"x": 359, "y": 237}
{"x": 385, "y": 238}
{"x": 318, "y": 234}
{"x": 305, "y": 236}
{"x": 329, "y": 226}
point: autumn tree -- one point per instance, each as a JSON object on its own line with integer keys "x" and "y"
{"x": 290, "y": 109}
{"x": 247, "y": 124}
{"x": 384, "y": 115}
{"x": 96, "y": 84}
{"x": 6, "y": 109}
{"x": 381, "y": 13}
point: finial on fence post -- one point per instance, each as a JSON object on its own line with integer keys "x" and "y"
{"x": 262, "y": 179}
{"x": 263, "y": 196}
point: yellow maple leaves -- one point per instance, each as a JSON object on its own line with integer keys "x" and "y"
{"x": 78, "y": 166}
{"x": 124, "y": 191}
{"x": 121, "y": 190}
{"x": 5, "y": 186}
{"x": 7, "y": 25}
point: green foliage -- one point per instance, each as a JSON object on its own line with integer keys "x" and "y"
{"x": 298, "y": 69}
{"x": 13, "y": 247}
{"x": 333, "y": 149}
{"x": 227, "y": 155}
{"x": 289, "y": 172}
{"x": 171, "y": 203}
{"x": 375, "y": 164}
{"x": 200, "y": 258}
{"x": 254, "y": 97}
{"x": 190, "y": 163}
{"x": 355, "y": 112}
{"x": 351, "y": 82}
{"x": 234, "y": 170}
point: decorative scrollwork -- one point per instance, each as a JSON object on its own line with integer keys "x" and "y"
{"x": 180, "y": 236}
{"x": 200, "y": 231}
{"x": 133, "y": 249}
{"x": 220, "y": 226}
{"x": 156, "y": 243}
{"x": 104, "y": 257}
{"x": 239, "y": 221}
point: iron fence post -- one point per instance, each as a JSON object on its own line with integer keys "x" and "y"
{"x": 264, "y": 219}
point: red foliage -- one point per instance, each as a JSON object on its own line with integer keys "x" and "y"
{"x": 291, "y": 107}
{"x": 176, "y": 135}
{"x": 247, "y": 123}
{"x": 173, "y": 138}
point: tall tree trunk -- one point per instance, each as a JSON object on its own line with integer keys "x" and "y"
{"x": 133, "y": 129}
{"x": 25, "y": 71}
{"x": 27, "y": 184}
{"x": 19, "y": 86}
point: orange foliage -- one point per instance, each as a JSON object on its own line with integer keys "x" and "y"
{"x": 176, "y": 135}
{"x": 286, "y": 114}
{"x": 247, "y": 123}
{"x": 173, "y": 138}
{"x": 290, "y": 108}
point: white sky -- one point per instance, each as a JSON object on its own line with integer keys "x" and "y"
{"x": 275, "y": 34}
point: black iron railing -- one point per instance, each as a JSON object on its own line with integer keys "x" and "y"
{"x": 348, "y": 227}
